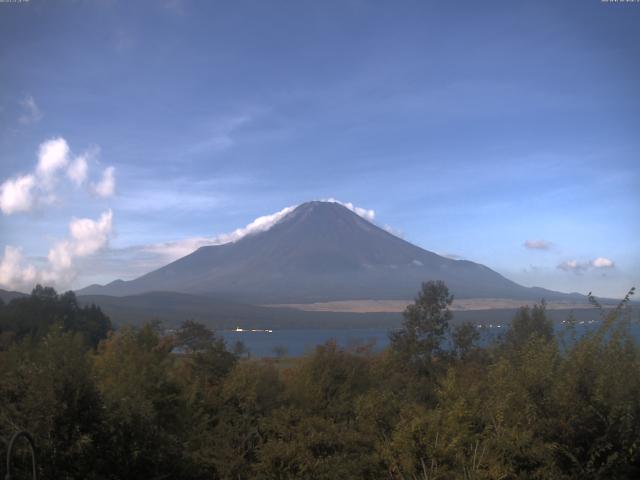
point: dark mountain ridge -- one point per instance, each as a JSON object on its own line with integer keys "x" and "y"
{"x": 173, "y": 308}
{"x": 321, "y": 251}
{"x": 7, "y": 295}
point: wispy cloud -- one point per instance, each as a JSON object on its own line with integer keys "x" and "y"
{"x": 31, "y": 113}
{"x": 106, "y": 186}
{"x": 573, "y": 266}
{"x": 172, "y": 199}
{"x": 123, "y": 40}
{"x": 452, "y": 256}
{"x": 78, "y": 169}
{"x": 220, "y": 133}
{"x": 393, "y": 231}
{"x": 180, "y": 248}
{"x": 174, "y": 250}
{"x": 174, "y": 6}
{"x": 538, "y": 244}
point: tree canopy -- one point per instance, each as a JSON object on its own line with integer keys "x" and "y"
{"x": 156, "y": 403}
{"x": 33, "y": 317}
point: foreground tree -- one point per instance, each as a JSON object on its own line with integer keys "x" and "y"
{"x": 48, "y": 390}
{"x": 144, "y": 408}
{"x": 425, "y": 325}
{"x": 465, "y": 337}
{"x": 34, "y": 316}
{"x": 137, "y": 407}
{"x": 206, "y": 354}
{"x": 529, "y": 322}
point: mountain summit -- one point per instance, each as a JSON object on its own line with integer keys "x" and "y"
{"x": 320, "y": 251}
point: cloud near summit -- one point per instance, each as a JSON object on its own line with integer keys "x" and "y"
{"x": 363, "y": 212}
{"x": 180, "y": 248}
{"x": 173, "y": 250}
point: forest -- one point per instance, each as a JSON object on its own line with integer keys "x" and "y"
{"x": 133, "y": 403}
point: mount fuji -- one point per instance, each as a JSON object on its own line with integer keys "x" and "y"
{"x": 321, "y": 251}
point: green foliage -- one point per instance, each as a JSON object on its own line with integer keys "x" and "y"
{"x": 306, "y": 446}
{"x": 425, "y": 324}
{"x": 464, "y": 338}
{"x": 529, "y": 322}
{"x": 33, "y": 317}
{"x": 328, "y": 382}
{"x": 133, "y": 372}
{"x": 145, "y": 404}
{"x": 205, "y": 353}
{"x": 47, "y": 388}
{"x": 250, "y": 392}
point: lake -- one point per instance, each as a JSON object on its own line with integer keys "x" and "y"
{"x": 297, "y": 342}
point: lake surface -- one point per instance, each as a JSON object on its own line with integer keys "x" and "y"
{"x": 297, "y": 342}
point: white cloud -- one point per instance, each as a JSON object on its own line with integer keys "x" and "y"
{"x": 13, "y": 274}
{"x": 16, "y": 195}
{"x": 53, "y": 155}
{"x": 369, "y": 215}
{"x": 78, "y": 170}
{"x": 573, "y": 266}
{"x": 579, "y": 267}
{"x": 106, "y": 186}
{"x": 180, "y": 248}
{"x": 87, "y": 237}
{"x": 451, "y": 256}
{"x": 537, "y": 244}
{"x": 260, "y": 224}
{"x": 31, "y": 113}
{"x": 61, "y": 256}
{"x": 602, "y": 262}
{"x": 143, "y": 258}
{"x": 169, "y": 251}
{"x": 393, "y": 231}
{"x": 27, "y": 191}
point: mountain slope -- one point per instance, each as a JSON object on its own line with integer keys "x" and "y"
{"x": 320, "y": 251}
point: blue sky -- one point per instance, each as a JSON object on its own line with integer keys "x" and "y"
{"x": 470, "y": 128}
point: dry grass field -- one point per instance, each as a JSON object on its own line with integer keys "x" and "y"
{"x": 389, "y": 306}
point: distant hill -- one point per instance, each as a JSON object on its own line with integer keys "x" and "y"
{"x": 321, "y": 251}
{"x": 7, "y": 295}
{"x": 171, "y": 308}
